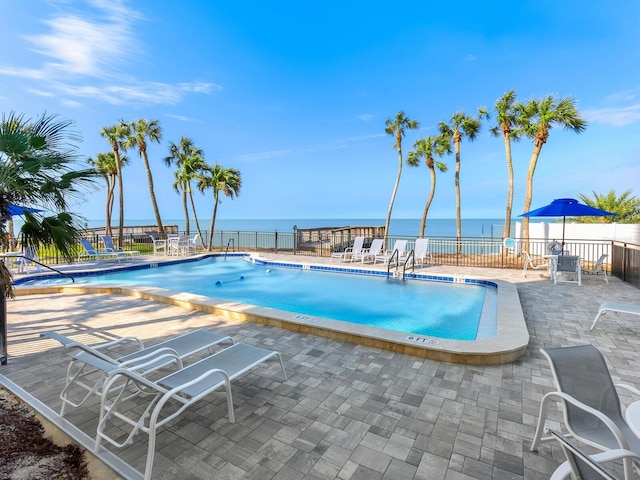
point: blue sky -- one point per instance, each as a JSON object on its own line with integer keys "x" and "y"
{"x": 295, "y": 95}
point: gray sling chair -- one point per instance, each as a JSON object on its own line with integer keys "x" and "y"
{"x": 583, "y": 466}
{"x": 591, "y": 406}
{"x": 177, "y": 391}
{"x": 81, "y": 370}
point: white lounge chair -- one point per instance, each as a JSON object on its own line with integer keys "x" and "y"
{"x": 619, "y": 307}
{"x": 421, "y": 252}
{"x": 591, "y": 406}
{"x": 109, "y": 247}
{"x": 529, "y": 265}
{"x": 358, "y": 243}
{"x": 184, "y": 387}
{"x": 23, "y": 259}
{"x": 399, "y": 246}
{"x": 566, "y": 268}
{"x": 81, "y": 369}
{"x": 369, "y": 253}
{"x": 91, "y": 253}
{"x": 598, "y": 267}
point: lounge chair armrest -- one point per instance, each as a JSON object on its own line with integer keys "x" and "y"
{"x": 622, "y": 441}
{"x": 629, "y": 388}
{"x": 157, "y": 359}
{"x": 563, "y": 472}
{"x": 120, "y": 340}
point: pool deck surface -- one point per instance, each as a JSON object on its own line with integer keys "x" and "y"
{"x": 346, "y": 411}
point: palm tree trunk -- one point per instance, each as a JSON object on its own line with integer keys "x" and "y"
{"x": 195, "y": 215}
{"x": 432, "y": 191}
{"x": 120, "y": 198}
{"x": 507, "y": 217}
{"x": 528, "y": 195}
{"x": 458, "y": 214}
{"x": 213, "y": 222}
{"x": 186, "y": 209}
{"x": 393, "y": 195}
{"x": 152, "y": 194}
{"x": 12, "y": 235}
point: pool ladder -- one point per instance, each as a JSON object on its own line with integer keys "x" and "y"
{"x": 230, "y": 242}
{"x": 396, "y": 255}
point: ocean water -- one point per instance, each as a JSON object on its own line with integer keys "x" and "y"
{"x": 482, "y": 228}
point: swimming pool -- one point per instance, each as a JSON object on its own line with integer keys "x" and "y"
{"x": 435, "y": 309}
{"x": 505, "y": 340}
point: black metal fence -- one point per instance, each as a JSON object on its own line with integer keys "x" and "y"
{"x": 625, "y": 263}
{"x": 623, "y": 258}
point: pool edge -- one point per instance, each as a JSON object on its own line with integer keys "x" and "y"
{"x": 509, "y": 343}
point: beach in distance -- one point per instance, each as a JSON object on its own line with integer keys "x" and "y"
{"x": 482, "y": 228}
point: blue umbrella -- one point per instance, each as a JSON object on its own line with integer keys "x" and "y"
{"x": 567, "y": 207}
{"x": 14, "y": 210}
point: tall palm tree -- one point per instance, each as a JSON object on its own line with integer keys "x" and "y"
{"x": 37, "y": 168}
{"x": 427, "y": 148}
{"x": 537, "y": 118}
{"x": 221, "y": 180}
{"x": 396, "y": 128}
{"x": 626, "y": 206}
{"x": 459, "y": 126}
{"x": 138, "y": 133}
{"x": 188, "y": 159}
{"x": 105, "y": 165}
{"x": 116, "y": 136}
{"x": 507, "y": 122}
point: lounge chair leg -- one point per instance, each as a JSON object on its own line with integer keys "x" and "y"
{"x": 537, "y": 438}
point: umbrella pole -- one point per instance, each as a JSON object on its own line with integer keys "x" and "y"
{"x": 563, "y": 218}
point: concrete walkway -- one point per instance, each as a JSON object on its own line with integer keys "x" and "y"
{"x": 346, "y": 411}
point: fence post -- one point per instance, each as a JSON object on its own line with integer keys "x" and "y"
{"x": 295, "y": 239}
{"x": 276, "y": 240}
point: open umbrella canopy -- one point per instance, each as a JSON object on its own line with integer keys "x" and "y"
{"x": 14, "y": 210}
{"x": 566, "y": 207}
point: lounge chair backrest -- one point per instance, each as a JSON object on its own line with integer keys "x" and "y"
{"x": 581, "y": 372}
{"x": 376, "y": 246}
{"x": 86, "y": 244}
{"x": 422, "y": 245}
{"x": 600, "y": 262}
{"x": 108, "y": 243}
{"x": 358, "y": 243}
{"x": 400, "y": 246}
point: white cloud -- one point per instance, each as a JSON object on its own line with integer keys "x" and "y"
{"x": 183, "y": 118}
{"x": 88, "y": 55}
{"x": 615, "y": 116}
{"x": 366, "y": 117}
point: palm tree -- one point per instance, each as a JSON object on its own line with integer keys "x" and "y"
{"x": 536, "y": 119}
{"x": 37, "y": 160}
{"x": 105, "y": 165}
{"x": 397, "y": 128}
{"x": 506, "y": 118}
{"x": 427, "y": 148}
{"x": 188, "y": 159}
{"x": 626, "y": 207}
{"x": 116, "y": 135}
{"x": 138, "y": 132}
{"x": 221, "y": 180}
{"x": 459, "y": 126}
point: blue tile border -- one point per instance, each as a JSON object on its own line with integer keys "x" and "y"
{"x": 258, "y": 261}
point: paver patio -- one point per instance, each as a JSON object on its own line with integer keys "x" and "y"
{"x": 346, "y": 411}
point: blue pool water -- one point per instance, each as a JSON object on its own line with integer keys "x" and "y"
{"x": 444, "y": 310}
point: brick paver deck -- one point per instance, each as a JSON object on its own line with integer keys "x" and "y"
{"x": 346, "y": 411}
